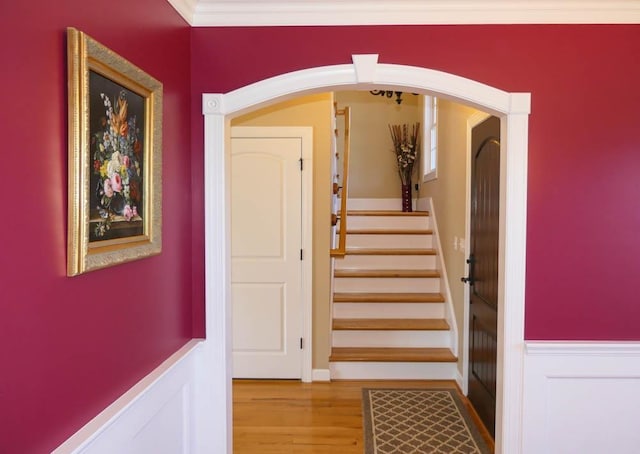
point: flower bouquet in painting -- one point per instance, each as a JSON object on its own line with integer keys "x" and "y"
{"x": 405, "y": 147}
{"x": 117, "y": 171}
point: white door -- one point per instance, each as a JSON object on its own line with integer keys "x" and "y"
{"x": 266, "y": 243}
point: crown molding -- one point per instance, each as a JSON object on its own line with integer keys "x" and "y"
{"x": 186, "y": 8}
{"x": 231, "y": 13}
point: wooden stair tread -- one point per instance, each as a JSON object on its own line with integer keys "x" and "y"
{"x": 392, "y": 354}
{"x": 388, "y": 298}
{"x": 385, "y": 273}
{"x": 388, "y": 231}
{"x": 386, "y": 213}
{"x": 389, "y": 251}
{"x": 391, "y": 324}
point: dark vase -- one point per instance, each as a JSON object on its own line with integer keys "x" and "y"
{"x": 406, "y": 198}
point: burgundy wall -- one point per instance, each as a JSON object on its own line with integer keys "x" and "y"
{"x": 583, "y": 247}
{"x": 71, "y": 346}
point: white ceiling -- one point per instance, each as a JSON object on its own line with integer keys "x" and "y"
{"x": 230, "y": 13}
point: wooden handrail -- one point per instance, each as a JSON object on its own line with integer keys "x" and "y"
{"x": 344, "y": 189}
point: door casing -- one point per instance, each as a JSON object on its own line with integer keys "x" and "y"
{"x": 213, "y": 415}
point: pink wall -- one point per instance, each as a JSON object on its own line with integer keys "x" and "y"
{"x": 71, "y": 346}
{"x": 584, "y": 161}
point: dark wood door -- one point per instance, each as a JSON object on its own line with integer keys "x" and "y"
{"x": 483, "y": 269}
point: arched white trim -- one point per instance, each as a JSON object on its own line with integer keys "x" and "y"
{"x": 214, "y": 422}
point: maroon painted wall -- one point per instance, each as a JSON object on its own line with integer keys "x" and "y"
{"x": 583, "y": 249}
{"x": 71, "y": 346}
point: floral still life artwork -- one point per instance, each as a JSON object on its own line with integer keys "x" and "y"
{"x": 406, "y": 148}
{"x": 115, "y": 158}
{"x": 117, "y": 175}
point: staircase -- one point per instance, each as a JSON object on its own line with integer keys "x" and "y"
{"x": 389, "y": 318}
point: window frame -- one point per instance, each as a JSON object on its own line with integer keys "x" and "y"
{"x": 429, "y": 165}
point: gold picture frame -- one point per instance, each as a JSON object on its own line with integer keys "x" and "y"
{"x": 115, "y": 158}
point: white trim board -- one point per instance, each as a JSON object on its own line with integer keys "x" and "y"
{"x": 215, "y": 13}
{"x": 321, "y": 375}
{"x": 365, "y": 73}
{"x": 582, "y": 397}
{"x": 155, "y": 415}
{"x": 450, "y": 315}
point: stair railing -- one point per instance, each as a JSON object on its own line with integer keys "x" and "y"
{"x": 341, "y": 186}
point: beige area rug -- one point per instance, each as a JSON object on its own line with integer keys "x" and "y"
{"x": 418, "y": 421}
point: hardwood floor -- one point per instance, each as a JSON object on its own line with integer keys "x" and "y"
{"x": 282, "y": 417}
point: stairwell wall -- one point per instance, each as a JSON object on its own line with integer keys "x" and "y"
{"x": 373, "y": 170}
{"x": 448, "y": 194}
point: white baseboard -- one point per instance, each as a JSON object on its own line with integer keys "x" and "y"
{"x": 581, "y": 398}
{"x": 460, "y": 382}
{"x": 320, "y": 375}
{"x": 156, "y": 415}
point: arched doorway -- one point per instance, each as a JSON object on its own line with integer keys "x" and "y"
{"x": 214, "y": 412}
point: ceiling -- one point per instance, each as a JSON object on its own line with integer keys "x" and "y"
{"x": 231, "y": 13}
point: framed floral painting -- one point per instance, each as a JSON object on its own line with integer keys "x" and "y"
{"x": 115, "y": 158}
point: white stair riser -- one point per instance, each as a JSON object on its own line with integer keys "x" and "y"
{"x": 386, "y": 241}
{"x": 388, "y": 222}
{"x": 388, "y": 310}
{"x": 357, "y": 370}
{"x": 399, "y": 339}
{"x": 386, "y": 285}
{"x": 386, "y": 262}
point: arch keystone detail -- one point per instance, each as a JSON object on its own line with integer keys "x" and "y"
{"x": 365, "y": 66}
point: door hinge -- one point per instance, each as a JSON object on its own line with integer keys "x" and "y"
{"x": 300, "y": 254}
{"x": 301, "y": 164}
{"x": 300, "y": 343}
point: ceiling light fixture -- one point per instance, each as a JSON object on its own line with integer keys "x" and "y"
{"x": 390, "y": 94}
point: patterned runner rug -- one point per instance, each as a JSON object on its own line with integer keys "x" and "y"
{"x": 418, "y": 421}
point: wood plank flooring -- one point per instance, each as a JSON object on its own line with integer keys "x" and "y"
{"x": 282, "y": 417}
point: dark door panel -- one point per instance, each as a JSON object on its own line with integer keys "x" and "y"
{"x": 483, "y": 315}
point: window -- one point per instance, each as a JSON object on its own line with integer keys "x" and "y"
{"x": 430, "y": 139}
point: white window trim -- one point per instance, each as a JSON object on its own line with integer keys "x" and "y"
{"x": 428, "y": 167}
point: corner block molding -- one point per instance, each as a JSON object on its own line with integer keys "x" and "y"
{"x": 212, "y": 103}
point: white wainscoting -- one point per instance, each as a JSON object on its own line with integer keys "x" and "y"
{"x": 581, "y": 398}
{"x": 155, "y": 416}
